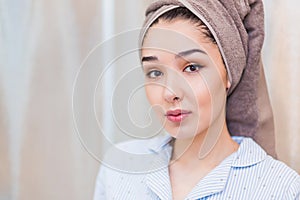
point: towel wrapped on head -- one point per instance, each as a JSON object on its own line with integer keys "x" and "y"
{"x": 238, "y": 28}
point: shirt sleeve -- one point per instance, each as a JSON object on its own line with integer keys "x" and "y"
{"x": 99, "y": 193}
{"x": 294, "y": 190}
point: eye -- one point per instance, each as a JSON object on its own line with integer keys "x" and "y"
{"x": 153, "y": 74}
{"x": 192, "y": 68}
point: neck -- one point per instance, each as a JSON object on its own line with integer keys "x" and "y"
{"x": 209, "y": 148}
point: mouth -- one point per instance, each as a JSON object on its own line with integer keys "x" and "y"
{"x": 177, "y": 115}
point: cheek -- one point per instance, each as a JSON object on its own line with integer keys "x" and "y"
{"x": 202, "y": 102}
{"x": 153, "y": 93}
{"x": 211, "y": 96}
{"x": 201, "y": 94}
{"x": 154, "y": 96}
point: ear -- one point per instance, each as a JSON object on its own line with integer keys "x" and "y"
{"x": 228, "y": 85}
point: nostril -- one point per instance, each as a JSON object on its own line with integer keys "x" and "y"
{"x": 176, "y": 99}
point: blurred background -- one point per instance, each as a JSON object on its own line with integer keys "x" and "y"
{"x": 43, "y": 44}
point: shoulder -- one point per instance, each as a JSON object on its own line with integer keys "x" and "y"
{"x": 293, "y": 191}
{"x": 268, "y": 176}
{"x": 133, "y": 146}
{"x": 143, "y": 146}
{"x": 278, "y": 170}
{"x": 135, "y": 156}
{"x": 281, "y": 175}
{"x": 124, "y": 168}
{"x": 250, "y": 154}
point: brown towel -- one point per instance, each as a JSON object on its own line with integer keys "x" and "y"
{"x": 238, "y": 28}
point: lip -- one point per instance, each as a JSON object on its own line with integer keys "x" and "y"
{"x": 177, "y": 115}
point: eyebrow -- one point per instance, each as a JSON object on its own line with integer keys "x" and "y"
{"x": 149, "y": 58}
{"x": 181, "y": 54}
{"x": 189, "y": 52}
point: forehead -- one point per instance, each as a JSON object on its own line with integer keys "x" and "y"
{"x": 173, "y": 37}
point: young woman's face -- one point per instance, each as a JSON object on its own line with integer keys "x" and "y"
{"x": 185, "y": 78}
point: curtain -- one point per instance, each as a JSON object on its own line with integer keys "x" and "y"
{"x": 42, "y": 47}
{"x": 282, "y": 62}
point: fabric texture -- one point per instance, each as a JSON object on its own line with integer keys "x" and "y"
{"x": 238, "y": 28}
{"x": 270, "y": 179}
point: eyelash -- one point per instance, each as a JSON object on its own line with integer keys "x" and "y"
{"x": 198, "y": 67}
{"x": 154, "y": 74}
{"x": 151, "y": 74}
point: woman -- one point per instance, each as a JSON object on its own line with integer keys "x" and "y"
{"x": 201, "y": 61}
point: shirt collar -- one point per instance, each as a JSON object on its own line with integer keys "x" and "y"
{"x": 249, "y": 153}
{"x": 158, "y": 181}
{"x": 159, "y": 143}
{"x": 214, "y": 182}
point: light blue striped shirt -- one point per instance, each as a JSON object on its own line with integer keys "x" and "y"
{"x": 249, "y": 173}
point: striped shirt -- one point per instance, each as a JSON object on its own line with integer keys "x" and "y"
{"x": 249, "y": 173}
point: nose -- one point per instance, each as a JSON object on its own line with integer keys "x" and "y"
{"x": 172, "y": 91}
